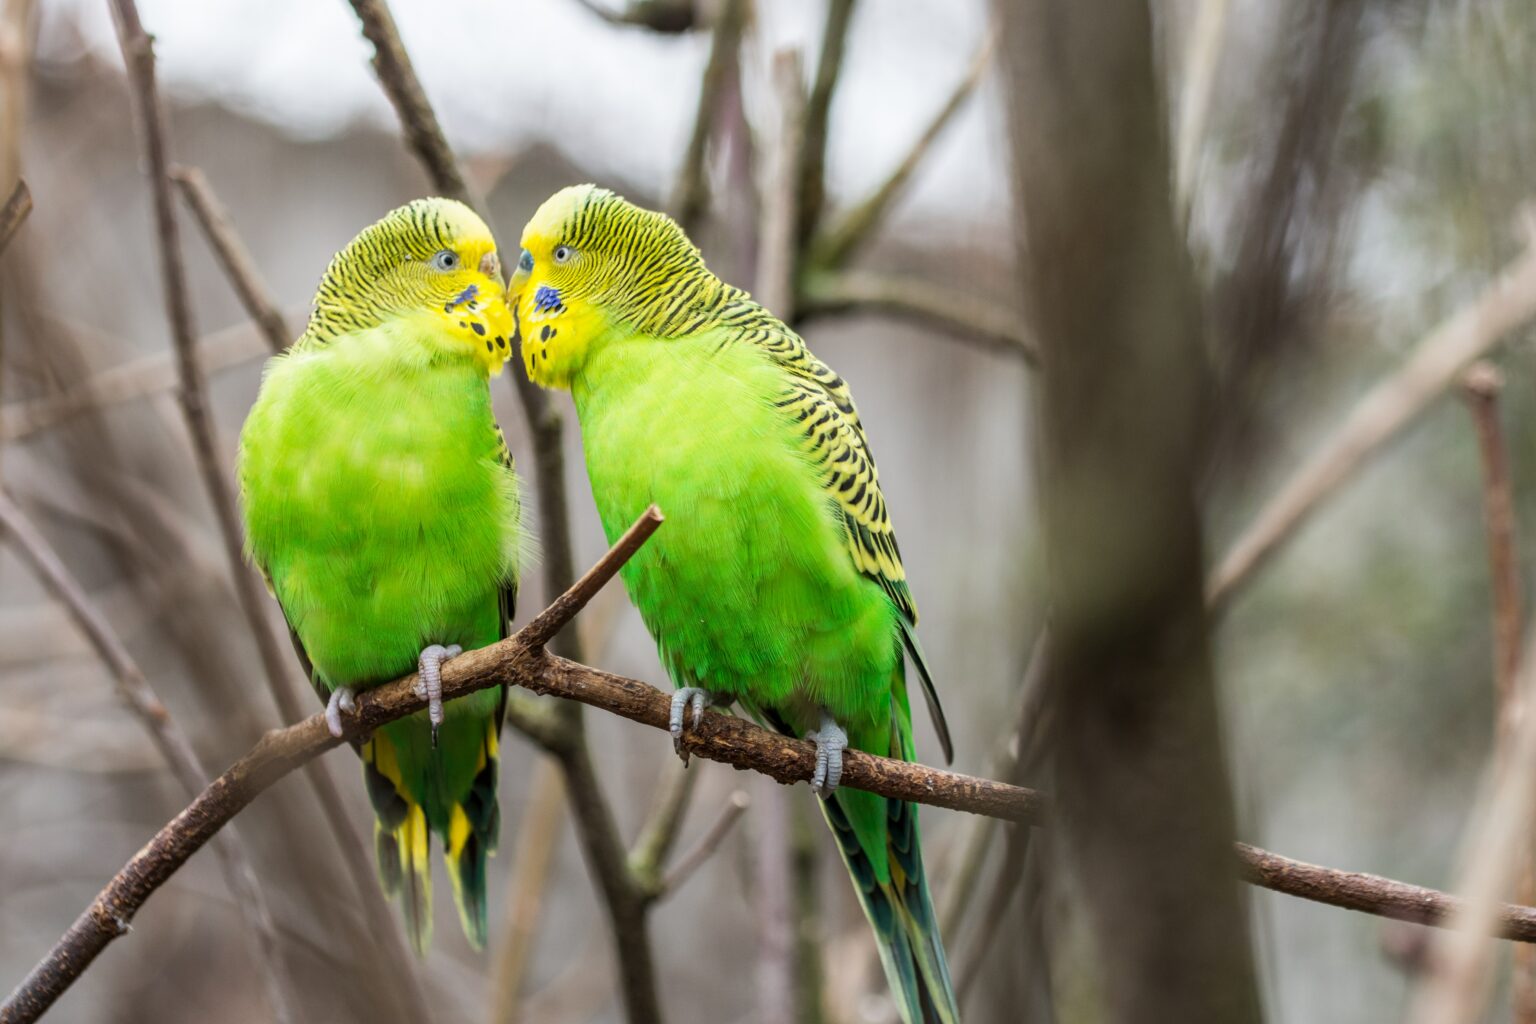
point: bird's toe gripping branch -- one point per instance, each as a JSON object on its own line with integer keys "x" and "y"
{"x": 830, "y": 742}
{"x": 343, "y": 698}
{"x": 429, "y": 682}
{"x": 694, "y": 699}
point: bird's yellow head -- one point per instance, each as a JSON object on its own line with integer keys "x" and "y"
{"x": 595, "y": 266}
{"x": 432, "y": 263}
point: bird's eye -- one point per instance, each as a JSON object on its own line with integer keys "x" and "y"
{"x": 525, "y": 261}
{"x": 444, "y": 260}
{"x": 563, "y": 253}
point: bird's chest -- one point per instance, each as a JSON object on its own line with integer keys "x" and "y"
{"x": 357, "y": 481}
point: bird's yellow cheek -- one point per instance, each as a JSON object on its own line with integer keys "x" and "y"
{"x": 482, "y": 322}
{"x": 555, "y": 336}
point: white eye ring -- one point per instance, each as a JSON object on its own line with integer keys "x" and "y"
{"x": 444, "y": 260}
{"x": 563, "y": 254}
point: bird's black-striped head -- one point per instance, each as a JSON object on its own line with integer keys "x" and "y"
{"x": 593, "y": 264}
{"x": 432, "y": 263}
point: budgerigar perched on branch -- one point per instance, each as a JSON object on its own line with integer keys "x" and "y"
{"x": 381, "y": 504}
{"x": 778, "y": 584}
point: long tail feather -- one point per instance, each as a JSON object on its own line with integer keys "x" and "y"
{"x": 400, "y": 840}
{"x": 473, "y": 825}
{"x": 900, "y": 910}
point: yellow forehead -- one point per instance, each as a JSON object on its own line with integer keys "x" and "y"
{"x": 443, "y": 222}
{"x": 558, "y": 214}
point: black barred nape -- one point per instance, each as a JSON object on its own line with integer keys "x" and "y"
{"x": 350, "y": 296}
{"x": 647, "y": 273}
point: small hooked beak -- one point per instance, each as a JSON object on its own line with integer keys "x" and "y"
{"x": 490, "y": 266}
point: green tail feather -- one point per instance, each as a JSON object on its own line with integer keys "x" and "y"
{"x": 473, "y": 826}
{"x": 900, "y": 910}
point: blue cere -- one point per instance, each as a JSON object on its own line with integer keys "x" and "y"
{"x": 547, "y": 299}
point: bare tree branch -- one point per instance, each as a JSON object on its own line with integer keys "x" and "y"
{"x": 392, "y": 64}
{"x": 520, "y": 661}
{"x": 674, "y": 794}
{"x": 15, "y": 210}
{"x": 138, "y": 55}
{"x": 1507, "y": 303}
{"x": 810, "y": 191}
{"x": 233, "y": 256}
{"x": 538, "y": 834}
{"x": 1481, "y": 386}
{"x": 705, "y": 848}
{"x": 971, "y": 319}
{"x": 721, "y": 72}
{"x": 174, "y": 747}
{"x": 144, "y": 377}
{"x": 833, "y": 246}
{"x": 668, "y": 17}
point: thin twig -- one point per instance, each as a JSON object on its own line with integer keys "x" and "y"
{"x": 538, "y": 834}
{"x": 1481, "y": 385}
{"x": 691, "y": 197}
{"x": 1199, "y": 74}
{"x": 668, "y": 17}
{"x": 15, "y": 210}
{"x": 810, "y": 191}
{"x": 832, "y": 247}
{"x": 393, "y": 66}
{"x": 233, "y": 256}
{"x": 719, "y": 737}
{"x": 145, "y": 377}
{"x": 1507, "y": 303}
{"x": 138, "y": 55}
{"x": 648, "y": 856}
{"x": 1495, "y": 843}
{"x": 967, "y": 318}
{"x": 174, "y": 747}
{"x": 690, "y": 862}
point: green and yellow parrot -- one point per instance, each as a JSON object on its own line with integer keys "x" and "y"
{"x": 777, "y": 583}
{"x": 382, "y": 507}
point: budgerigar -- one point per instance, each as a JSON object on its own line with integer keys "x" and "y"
{"x": 381, "y": 505}
{"x": 777, "y": 583}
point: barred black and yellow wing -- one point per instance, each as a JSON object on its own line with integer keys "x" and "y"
{"x": 820, "y": 405}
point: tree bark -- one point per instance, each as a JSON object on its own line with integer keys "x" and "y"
{"x": 1143, "y": 796}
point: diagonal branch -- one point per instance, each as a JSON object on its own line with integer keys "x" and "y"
{"x": 392, "y": 64}
{"x": 829, "y": 293}
{"x": 174, "y": 747}
{"x": 516, "y": 661}
{"x": 15, "y": 210}
{"x": 811, "y": 188}
{"x": 833, "y": 246}
{"x": 721, "y": 73}
{"x": 1507, "y": 303}
{"x": 233, "y": 256}
{"x": 139, "y": 57}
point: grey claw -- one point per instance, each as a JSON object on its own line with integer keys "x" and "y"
{"x": 429, "y": 684}
{"x": 830, "y": 742}
{"x": 343, "y": 699}
{"x": 686, "y": 698}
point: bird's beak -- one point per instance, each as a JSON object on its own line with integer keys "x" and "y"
{"x": 490, "y": 266}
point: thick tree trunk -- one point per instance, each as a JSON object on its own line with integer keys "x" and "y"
{"x": 1144, "y": 801}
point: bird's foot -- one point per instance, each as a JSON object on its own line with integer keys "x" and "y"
{"x": 693, "y": 699}
{"x": 343, "y": 699}
{"x": 830, "y": 742}
{"x": 429, "y": 681}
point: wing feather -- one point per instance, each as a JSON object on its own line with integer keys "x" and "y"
{"x": 817, "y": 400}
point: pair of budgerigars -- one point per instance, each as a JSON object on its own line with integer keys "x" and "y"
{"x": 381, "y": 504}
